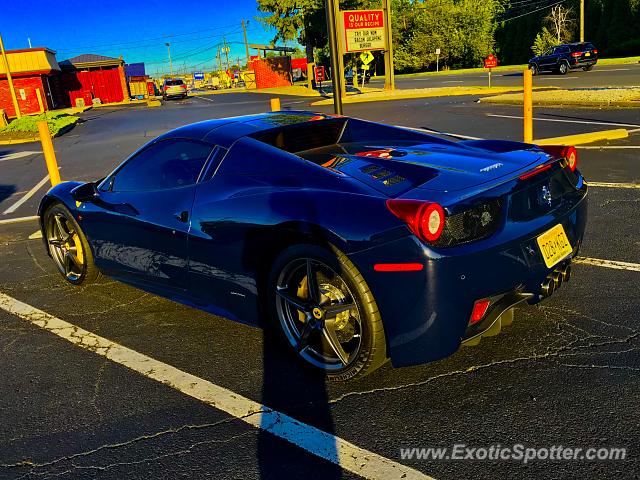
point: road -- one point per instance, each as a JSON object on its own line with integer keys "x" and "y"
{"x": 565, "y": 373}
{"x": 600, "y": 76}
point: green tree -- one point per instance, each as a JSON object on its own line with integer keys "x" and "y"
{"x": 543, "y": 41}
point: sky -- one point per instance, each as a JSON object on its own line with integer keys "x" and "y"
{"x": 137, "y": 30}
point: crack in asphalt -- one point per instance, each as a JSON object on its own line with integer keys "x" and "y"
{"x": 32, "y": 466}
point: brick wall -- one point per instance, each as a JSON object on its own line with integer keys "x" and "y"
{"x": 30, "y": 103}
{"x": 272, "y": 72}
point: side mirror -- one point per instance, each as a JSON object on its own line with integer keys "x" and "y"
{"x": 87, "y": 192}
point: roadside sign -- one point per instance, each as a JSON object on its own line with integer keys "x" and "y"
{"x": 491, "y": 61}
{"x": 198, "y": 75}
{"x": 365, "y": 67}
{"x": 363, "y": 30}
{"x": 437, "y": 51}
{"x": 319, "y": 73}
{"x": 366, "y": 57}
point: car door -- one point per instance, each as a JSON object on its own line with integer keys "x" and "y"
{"x": 548, "y": 60}
{"x": 139, "y": 224}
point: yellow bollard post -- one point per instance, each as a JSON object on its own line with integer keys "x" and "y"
{"x": 40, "y": 103}
{"x": 528, "y": 106}
{"x": 275, "y": 104}
{"x": 49, "y": 154}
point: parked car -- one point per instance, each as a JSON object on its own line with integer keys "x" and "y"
{"x": 563, "y": 58}
{"x": 356, "y": 242}
{"x": 174, "y": 87}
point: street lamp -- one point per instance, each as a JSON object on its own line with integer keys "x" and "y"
{"x": 170, "y": 64}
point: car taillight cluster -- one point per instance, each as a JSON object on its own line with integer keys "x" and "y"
{"x": 569, "y": 153}
{"x": 576, "y": 54}
{"x": 595, "y": 52}
{"x": 425, "y": 219}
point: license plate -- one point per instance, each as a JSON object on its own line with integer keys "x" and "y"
{"x": 554, "y": 245}
{"x": 588, "y": 54}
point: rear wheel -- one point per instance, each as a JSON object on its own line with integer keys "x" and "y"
{"x": 326, "y": 313}
{"x": 563, "y": 68}
{"x": 68, "y": 246}
{"x": 587, "y": 68}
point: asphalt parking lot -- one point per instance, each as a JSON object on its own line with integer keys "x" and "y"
{"x": 566, "y": 372}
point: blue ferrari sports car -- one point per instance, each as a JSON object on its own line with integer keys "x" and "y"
{"x": 357, "y": 242}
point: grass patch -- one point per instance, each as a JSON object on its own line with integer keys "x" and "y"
{"x": 601, "y": 61}
{"x": 29, "y": 124}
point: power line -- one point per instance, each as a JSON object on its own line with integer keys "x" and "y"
{"x": 146, "y": 39}
{"x": 532, "y": 11}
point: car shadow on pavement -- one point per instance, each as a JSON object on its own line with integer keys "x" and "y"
{"x": 6, "y": 191}
{"x": 289, "y": 384}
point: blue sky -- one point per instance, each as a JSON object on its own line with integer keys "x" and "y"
{"x": 114, "y": 28}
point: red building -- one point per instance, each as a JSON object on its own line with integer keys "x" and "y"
{"x": 32, "y": 70}
{"x": 93, "y": 77}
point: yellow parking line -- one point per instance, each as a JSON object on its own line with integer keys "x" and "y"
{"x": 613, "y": 185}
{"x": 317, "y": 442}
{"x": 598, "y": 262}
{"x": 19, "y": 220}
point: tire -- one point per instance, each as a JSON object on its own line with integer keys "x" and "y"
{"x": 164, "y": 97}
{"x": 534, "y": 69}
{"x": 68, "y": 246}
{"x": 563, "y": 68}
{"x": 313, "y": 333}
{"x": 588, "y": 68}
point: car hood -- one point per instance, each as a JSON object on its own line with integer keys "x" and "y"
{"x": 395, "y": 169}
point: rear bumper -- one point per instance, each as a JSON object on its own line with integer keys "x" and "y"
{"x": 577, "y": 63}
{"x": 426, "y": 313}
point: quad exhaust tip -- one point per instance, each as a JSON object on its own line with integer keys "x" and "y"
{"x": 554, "y": 280}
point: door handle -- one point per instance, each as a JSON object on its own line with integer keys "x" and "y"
{"x": 182, "y": 216}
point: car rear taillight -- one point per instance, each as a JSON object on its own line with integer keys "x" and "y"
{"x": 595, "y": 52}
{"x": 576, "y": 54}
{"x": 166, "y": 87}
{"x": 425, "y": 219}
{"x": 479, "y": 310}
{"x": 183, "y": 86}
{"x": 569, "y": 153}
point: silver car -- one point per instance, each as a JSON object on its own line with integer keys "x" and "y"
{"x": 174, "y": 87}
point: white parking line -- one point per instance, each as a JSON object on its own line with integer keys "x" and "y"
{"x": 16, "y": 155}
{"x": 26, "y": 196}
{"x": 613, "y": 185}
{"x": 560, "y": 120}
{"x": 598, "y": 262}
{"x": 322, "y": 444}
{"x": 204, "y": 98}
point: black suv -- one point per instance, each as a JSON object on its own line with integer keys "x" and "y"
{"x": 563, "y": 58}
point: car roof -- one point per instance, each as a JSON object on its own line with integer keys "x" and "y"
{"x": 225, "y": 131}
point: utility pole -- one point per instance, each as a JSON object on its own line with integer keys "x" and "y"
{"x": 582, "y": 20}
{"x": 12, "y": 90}
{"x": 334, "y": 49}
{"x": 226, "y": 51}
{"x": 170, "y": 64}
{"x": 219, "y": 60}
{"x": 389, "y": 77}
{"x": 246, "y": 42}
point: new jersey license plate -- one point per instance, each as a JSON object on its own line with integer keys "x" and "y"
{"x": 554, "y": 245}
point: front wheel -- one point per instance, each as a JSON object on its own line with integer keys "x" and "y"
{"x": 534, "y": 69}
{"x": 326, "y": 313}
{"x": 68, "y": 246}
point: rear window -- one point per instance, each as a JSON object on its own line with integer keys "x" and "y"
{"x": 173, "y": 82}
{"x": 582, "y": 46}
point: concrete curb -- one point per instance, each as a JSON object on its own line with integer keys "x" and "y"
{"x": 624, "y": 104}
{"x": 582, "y": 138}
{"x": 428, "y": 93}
